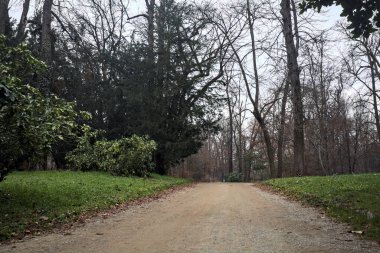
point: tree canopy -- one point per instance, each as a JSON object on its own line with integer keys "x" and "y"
{"x": 363, "y": 16}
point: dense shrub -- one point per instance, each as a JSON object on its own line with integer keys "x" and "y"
{"x": 234, "y": 177}
{"x": 123, "y": 157}
{"x": 30, "y": 123}
{"x": 84, "y": 156}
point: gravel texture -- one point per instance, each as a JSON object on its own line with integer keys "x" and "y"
{"x": 214, "y": 217}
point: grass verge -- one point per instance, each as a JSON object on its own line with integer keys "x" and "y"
{"x": 35, "y": 201}
{"x": 354, "y": 199}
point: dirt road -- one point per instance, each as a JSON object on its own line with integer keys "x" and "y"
{"x": 208, "y": 218}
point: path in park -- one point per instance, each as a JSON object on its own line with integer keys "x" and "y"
{"x": 215, "y": 217}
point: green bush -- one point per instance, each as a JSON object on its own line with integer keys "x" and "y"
{"x": 123, "y": 157}
{"x": 30, "y": 123}
{"x": 234, "y": 177}
{"x": 134, "y": 156}
{"x": 85, "y": 157}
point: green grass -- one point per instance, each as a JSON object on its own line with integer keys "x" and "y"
{"x": 41, "y": 200}
{"x": 354, "y": 199}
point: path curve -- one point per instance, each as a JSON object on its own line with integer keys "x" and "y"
{"x": 215, "y": 217}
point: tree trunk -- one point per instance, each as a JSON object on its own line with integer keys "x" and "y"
{"x": 293, "y": 70}
{"x": 348, "y": 143}
{"x": 23, "y": 22}
{"x": 4, "y": 16}
{"x": 377, "y": 120}
{"x": 241, "y": 148}
{"x": 356, "y": 144}
{"x": 268, "y": 144}
{"x": 230, "y": 132}
{"x": 150, "y": 5}
{"x": 162, "y": 54}
{"x": 254, "y": 59}
{"x": 280, "y": 143}
{"x": 46, "y": 41}
{"x": 255, "y": 102}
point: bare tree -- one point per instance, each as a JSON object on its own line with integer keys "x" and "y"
{"x": 294, "y": 77}
{"x": 259, "y": 111}
{"x": 362, "y": 62}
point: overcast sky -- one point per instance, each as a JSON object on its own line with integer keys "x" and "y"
{"x": 137, "y": 6}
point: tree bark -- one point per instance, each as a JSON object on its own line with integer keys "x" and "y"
{"x": 255, "y": 101}
{"x": 4, "y": 16}
{"x": 241, "y": 148}
{"x": 280, "y": 143}
{"x": 293, "y": 70}
{"x": 268, "y": 144}
{"x": 230, "y": 132}
{"x": 46, "y": 41}
{"x": 348, "y": 143}
{"x": 376, "y": 110}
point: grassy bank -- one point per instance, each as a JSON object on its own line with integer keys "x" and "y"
{"x": 354, "y": 199}
{"x": 39, "y": 200}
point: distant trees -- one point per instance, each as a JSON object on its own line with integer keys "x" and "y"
{"x": 233, "y": 26}
{"x": 363, "y": 64}
{"x": 254, "y": 83}
{"x": 338, "y": 118}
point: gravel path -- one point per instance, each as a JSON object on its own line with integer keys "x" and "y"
{"x": 217, "y": 217}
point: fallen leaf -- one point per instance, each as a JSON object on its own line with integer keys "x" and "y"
{"x": 359, "y": 232}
